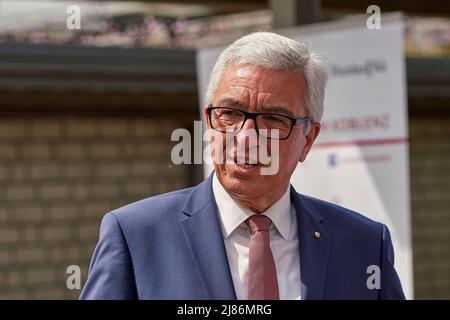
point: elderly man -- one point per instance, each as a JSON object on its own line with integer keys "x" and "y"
{"x": 241, "y": 234}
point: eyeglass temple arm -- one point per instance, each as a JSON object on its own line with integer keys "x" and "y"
{"x": 306, "y": 121}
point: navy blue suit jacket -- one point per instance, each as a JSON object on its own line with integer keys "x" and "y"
{"x": 171, "y": 247}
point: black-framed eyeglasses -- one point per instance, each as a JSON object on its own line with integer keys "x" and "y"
{"x": 231, "y": 120}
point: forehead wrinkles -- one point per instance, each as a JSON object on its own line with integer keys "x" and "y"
{"x": 252, "y": 86}
{"x": 248, "y": 96}
{"x": 262, "y": 97}
{"x": 240, "y": 93}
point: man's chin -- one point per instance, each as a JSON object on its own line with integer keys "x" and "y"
{"x": 245, "y": 185}
{"x": 242, "y": 191}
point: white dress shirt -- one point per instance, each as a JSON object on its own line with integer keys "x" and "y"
{"x": 283, "y": 242}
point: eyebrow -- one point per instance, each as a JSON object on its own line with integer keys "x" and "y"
{"x": 233, "y": 103}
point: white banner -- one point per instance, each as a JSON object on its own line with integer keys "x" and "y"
{"x": 360, "y": 160}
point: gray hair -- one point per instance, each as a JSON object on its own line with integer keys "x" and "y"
{"x": 273, "y": 51}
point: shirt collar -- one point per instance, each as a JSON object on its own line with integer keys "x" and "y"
{"x": 232, "y": 215}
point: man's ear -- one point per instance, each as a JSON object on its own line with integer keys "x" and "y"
{"x": 205, "y": 114}
{"x": 310, "y": 138}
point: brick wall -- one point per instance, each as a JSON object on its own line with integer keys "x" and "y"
{"x": 430, "y": 197}
{"x": 59, "y": 174}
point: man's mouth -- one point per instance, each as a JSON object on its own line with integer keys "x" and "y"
{"x": 247, "y": 165}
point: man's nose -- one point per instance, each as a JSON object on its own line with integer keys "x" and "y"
{"x": 248, "y": 134}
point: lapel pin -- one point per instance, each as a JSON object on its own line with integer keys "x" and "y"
{"x": 317, "y": 234}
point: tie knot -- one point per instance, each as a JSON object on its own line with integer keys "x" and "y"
{"x": 258, "y": 222}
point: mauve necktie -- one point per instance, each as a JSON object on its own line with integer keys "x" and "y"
{"x": 262, "y": 275}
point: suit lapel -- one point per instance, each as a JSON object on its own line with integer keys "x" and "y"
{"x": 201, "y": 229}
{"x": 314, "y": 246}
